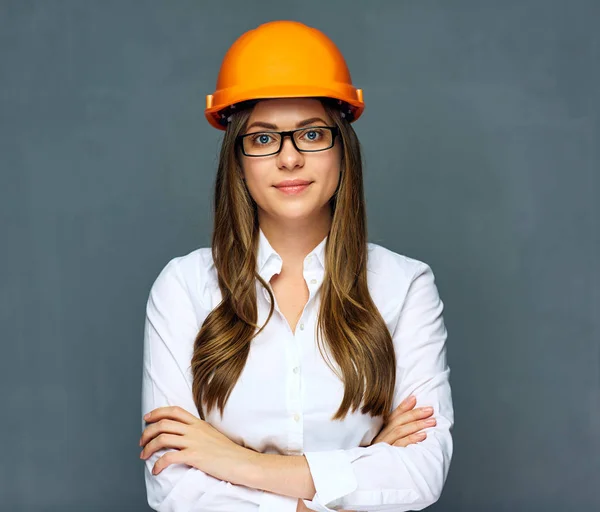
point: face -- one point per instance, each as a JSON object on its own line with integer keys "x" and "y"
{"x": 265, "y": 175}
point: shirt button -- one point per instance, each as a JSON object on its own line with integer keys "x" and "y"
{"x": 296, "y": 369}
{"x": 296, "y": 417}
{"x": 301, "y": 327}
{"x": 313, "y": 281}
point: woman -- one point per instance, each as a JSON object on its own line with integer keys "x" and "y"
{"x": 283, "y": 365}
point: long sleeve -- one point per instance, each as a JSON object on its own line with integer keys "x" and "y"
{"x": 391, "y": 478}
{"x": 170, "y": 328}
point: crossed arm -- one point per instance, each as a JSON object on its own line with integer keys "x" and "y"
{"x": 375, "y": 478}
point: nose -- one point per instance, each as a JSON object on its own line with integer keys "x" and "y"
{"x": 289, "y": 157}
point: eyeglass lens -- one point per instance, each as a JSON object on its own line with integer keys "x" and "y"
{"x": 308, "y": 139}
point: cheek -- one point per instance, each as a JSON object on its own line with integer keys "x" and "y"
{"x": 332, "y": 176}
{"x": 332, "y": 181}
{"x": 255, "y": 178}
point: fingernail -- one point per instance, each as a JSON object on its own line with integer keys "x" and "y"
{"x": 146, "y": 416}
{"x": 407, "y": 400}
{"x": 427, "y": 409}
{"x": 421, "y": 435}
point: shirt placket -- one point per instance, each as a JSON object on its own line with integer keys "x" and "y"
{"x": 293, "y": 351}
{"x": 304, "y": 331}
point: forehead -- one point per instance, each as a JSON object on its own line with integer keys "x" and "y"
{"x": 286, "y": 112}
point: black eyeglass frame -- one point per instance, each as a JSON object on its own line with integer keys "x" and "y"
{"x": 289, "y": 133}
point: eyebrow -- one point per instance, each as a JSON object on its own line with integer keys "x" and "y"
{"x": 300, "y": 124}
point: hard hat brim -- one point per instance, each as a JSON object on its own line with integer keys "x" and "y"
{"x": 224, "y": 98}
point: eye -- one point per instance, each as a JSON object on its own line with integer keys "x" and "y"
{"x": 312, "y": 134}
{"x": 262, "y": 138}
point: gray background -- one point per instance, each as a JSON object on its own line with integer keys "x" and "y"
{"x": 481, "y": 137}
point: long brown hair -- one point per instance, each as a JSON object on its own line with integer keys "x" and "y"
{"x": 349, "y": 324}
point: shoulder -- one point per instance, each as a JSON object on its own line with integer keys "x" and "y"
{"x": 189, "y": 277}
{"x": 383, "y": 263}
{"x": 390, "y": 275}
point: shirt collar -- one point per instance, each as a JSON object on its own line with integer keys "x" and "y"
{"x": 269, "y": 262}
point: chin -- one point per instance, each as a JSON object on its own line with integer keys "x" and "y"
{"x": 299, "y": 213}
{"x": 295, "y": 216}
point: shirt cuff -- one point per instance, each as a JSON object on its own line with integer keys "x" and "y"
{"x": 271, "y": 502}
{"x": 333, "y": 476}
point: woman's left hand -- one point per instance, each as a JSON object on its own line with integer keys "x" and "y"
{"x": 198, "y": 443}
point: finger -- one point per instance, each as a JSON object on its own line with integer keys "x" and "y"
{"x": 167, "y": 459}
{"x": 162, "y": 426}
{"x": 163, "y": 441}
{"x": 408, "y": 416}
{"x": 406, "y": 405}
{"x": 419, "y": 413}
{"x": 397, "y": 430}
{"x": 172, "y": 412}
{"x": 412, "y": 427}
{"x": 412, "y": 439}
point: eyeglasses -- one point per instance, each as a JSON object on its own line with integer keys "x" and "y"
{"x": 305, "y": 140}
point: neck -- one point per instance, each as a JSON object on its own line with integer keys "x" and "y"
{"x": 294, "y": 240}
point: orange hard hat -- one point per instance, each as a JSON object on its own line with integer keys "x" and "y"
{"x": 282, "y": 59}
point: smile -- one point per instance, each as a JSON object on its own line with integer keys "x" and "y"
{"x": 293, "y": 189}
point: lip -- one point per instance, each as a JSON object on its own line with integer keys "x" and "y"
{"x": 292, "y": 183}
{"x": 292, "y": 187}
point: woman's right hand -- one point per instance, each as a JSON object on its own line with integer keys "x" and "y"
{"x": 404, "y": 424}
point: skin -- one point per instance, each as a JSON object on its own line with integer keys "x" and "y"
{"x": 294, "y": 225}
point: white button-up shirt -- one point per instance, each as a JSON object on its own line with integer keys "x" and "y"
{"x": 286, "y": 394}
